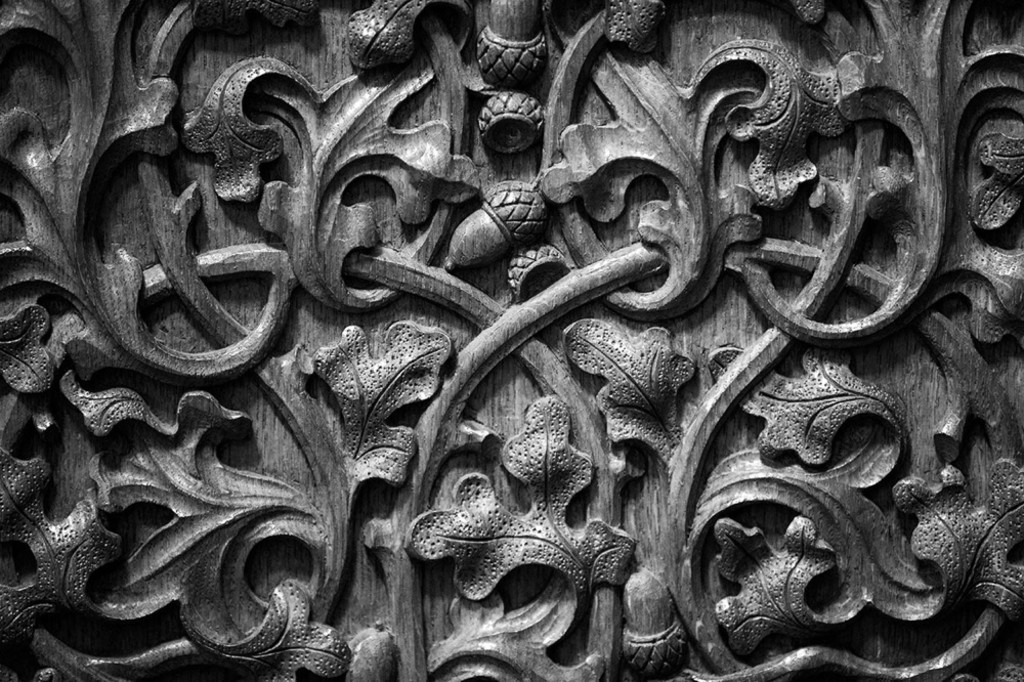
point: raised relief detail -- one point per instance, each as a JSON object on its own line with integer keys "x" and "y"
{"x": 501, "y": 340}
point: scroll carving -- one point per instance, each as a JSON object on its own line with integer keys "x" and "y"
{"x": 511, "y": 340}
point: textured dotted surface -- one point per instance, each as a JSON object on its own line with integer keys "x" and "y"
{"x": 773, "y": 581}
{"x": 487, "y": 541}
{"x": 370, "y": 390}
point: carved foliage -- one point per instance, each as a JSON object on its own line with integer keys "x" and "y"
{"x": 773, "y": 581}
{"x": 370, "y": 390}
{"x": 238, "y": 144}
{"x": 285, "y": 641}
{"x": 998, "y": 198}
{"x": 969, "y": 542}
{"x": 644, "y": 375}
{"x": 383, "y": 32}
{"x": 804, "y": 414}
{"x": 24, "y": 363}
{"x": 229, "y": 15}
{"x": 794, "y": 104}
{"x": 213, "y": 504}
{"x": 520, "y": 636}
{"x": 634, "y": 22}
{"x": 66, "y": 552}
{"x": 488, "y": 541}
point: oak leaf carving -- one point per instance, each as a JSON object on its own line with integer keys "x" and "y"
{"x": 103, "y": 410}
{"x": 773, "y": 581}
{"x": 487, "y": 540}
{"x": 805, "y": 413}
{"x": 383, "y": 32}
{"x": 795, "y": 103}
{"x": 66, "y": 552}
{"x": 644, "y": 375}
{"x": 970, "y": 543}
{"x": 24, "y": 363}
{"x": 213, "y": 504}
{"x": 998, "y": 198}
{"x": 634, "y": 22}
{"x": 285, "y": 641}
{"x": 370, "y": 390}
{"x": 238, "y": 144}
{"x": 230, "y": 15}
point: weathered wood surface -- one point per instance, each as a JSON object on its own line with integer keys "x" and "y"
{"x": 511, "y": 340}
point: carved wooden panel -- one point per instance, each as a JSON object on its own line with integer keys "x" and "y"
{"x": 511, "y": 340}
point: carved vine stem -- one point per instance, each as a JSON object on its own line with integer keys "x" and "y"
{"x": 503, "y": 336}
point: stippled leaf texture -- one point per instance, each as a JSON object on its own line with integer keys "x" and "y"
{"x": 644, "y": 374}
{"x": 66, "y": 552}
{"x": 805, "y": 413}
{"x": 969, "y": 542}
{"x": 487, "y": 540}
{"x": 370, "y": 389}
{"x": 773, "y": 581}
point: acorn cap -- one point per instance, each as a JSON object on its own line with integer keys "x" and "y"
{"x": 510, "y": 63}
{"x": 533, "y": 269}
{"x": 514, "y": 213}
{"x": 511, "y": 121}
{"x": 518, "y": 207}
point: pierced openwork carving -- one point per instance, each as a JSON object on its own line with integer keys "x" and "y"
{"x": 511, "y": 340}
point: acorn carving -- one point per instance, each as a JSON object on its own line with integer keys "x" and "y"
{"x": 535, "y": 268}
{"x": 653, "y": 641}
{"x": 513, "y": 214}
{"x": 511, "y": 50}
{"x": 511, "y": 121}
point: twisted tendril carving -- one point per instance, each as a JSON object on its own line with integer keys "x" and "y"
{"x": 830, "y": 190}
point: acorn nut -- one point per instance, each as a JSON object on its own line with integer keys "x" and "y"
{"x": 653, "y": 641}
{"x": 513, "y": 214}
{"x": 511, "y": 121}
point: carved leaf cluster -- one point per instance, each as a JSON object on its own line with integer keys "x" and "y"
{"x": 66, "y": 552}
{"x": 24, "y": 362}
{"x": 370, "y": 390}
{"x": 773, "y": 581}
{"x": 644, "y": 375}
{"x": 998, "y": 198}
{"x": 487, "y": 540}
{"x": 230, "y": 15}
{"x": 969, "y": 542}
{"x": 794, "y": 104}
{"x": 805, "y": 413}
{"x": 286, "y": 641}
{"x": 383, "y": 32}
{"x": 176, "y": 467}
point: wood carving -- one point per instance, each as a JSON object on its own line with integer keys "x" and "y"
{"x": 511, "y": 340}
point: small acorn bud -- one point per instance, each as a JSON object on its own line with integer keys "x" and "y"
{"x": 513, "y": 214}
{"x": 511, "y": 121}
{"x": 653, "y": 641}
{"x": 374, "y": 656}
{"x": 534, "y": 269}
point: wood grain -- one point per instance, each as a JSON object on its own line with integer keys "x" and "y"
{"x": 511, "y": 340}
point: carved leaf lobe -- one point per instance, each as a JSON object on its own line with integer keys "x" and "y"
{"x": 773, "y": 581}
{"x": 487, "y": 541}
{"x": 644, "y": 376}
{"x": 970, "y": 543}
{"x": 804, "y": 414}
{"x": 370, "y": 389}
